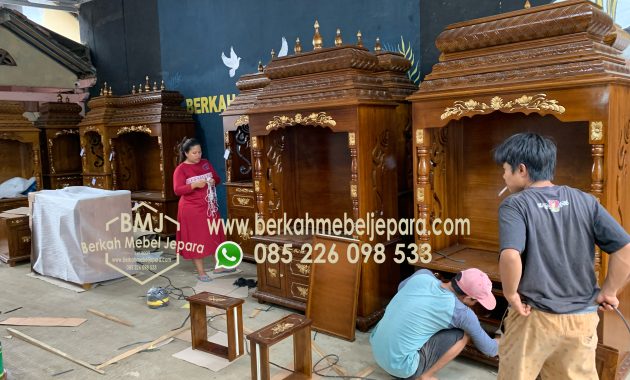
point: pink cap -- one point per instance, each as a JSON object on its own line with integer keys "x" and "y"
{"x": 477, "y": 285}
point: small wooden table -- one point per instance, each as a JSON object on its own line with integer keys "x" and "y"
{"x": 199, "y": 328}
{"x": 293, "y": 324}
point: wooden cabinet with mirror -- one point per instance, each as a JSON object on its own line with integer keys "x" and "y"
{"x": 528, "y": 70}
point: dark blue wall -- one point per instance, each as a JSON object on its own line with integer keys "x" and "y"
{"x": 194, "y": 33}
{"x": 124, "y": 41}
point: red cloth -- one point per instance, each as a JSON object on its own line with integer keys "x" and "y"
{"x": 192, "y": 213}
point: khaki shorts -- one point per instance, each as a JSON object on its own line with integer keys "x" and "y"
{"x": 558, "y": 346}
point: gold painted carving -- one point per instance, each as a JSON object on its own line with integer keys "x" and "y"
{"x": 303, "y": 268}
{"x": 245, "y": 235}
{"x": 134, "y": 128}
{"x": 353, "y": 191}
{"x": 216, "y": 299}
{"x": 26, "y": 239}
{"x": 597, "y": 130}
{"x": 419, "y": 136}
{"x": 281, "y": 327}
{"x": 420, "y": 194}
{"x": 351, "y": 139}
{"x": 242, "y": 120}
{"x": 243, "y": 190}
{"x": 273, "y": 272}
{"x": 226, "y": 137}
{"x": 321, "y": 119}
{"x": 243, "y": 201}
{"x": 67, "y": 132}
{"x": 302, "y": 290}
{"x": 257, "y": 186}
{"x": 536, "y": 102}
{"x": 254, "y": 140}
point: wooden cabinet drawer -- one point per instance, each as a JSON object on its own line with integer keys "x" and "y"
{"x": 241, "y": 197}
{"x": 298, "y": 290}
{"x": 296, "y": 268}
{"x": 15, "y": 238}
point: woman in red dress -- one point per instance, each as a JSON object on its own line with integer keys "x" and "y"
{"x": 195, "y": 182}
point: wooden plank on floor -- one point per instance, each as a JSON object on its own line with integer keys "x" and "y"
{"x": 110, "y": 317}
{"x": 143, "y": 347}
{"x": 55, "y": 351}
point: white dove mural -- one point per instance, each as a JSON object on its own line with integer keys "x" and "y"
{"x": 284, "y": 49}
{"x": 232, "y": 62}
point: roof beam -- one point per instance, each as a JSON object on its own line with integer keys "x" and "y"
{"x": 26, "y": 3}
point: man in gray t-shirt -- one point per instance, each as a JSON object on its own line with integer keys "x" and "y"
{"x": 547, "y": 239}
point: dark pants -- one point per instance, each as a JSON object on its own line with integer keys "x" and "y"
{"x": 435, "y": 348}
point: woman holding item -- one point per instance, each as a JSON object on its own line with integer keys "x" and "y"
{"x": 195, "y": 180}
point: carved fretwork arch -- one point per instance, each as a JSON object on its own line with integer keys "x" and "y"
{"x": 6, "y": 59}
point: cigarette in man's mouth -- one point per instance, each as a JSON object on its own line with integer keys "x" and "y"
{"x": 503, "y": 191}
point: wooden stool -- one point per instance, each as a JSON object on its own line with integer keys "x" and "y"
{"x": 293, "y": 324}
{"x": 199, "y": 327}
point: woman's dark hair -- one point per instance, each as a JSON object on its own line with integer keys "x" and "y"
{"x": 536, "y": 152}
{"x": 185, "y": 147}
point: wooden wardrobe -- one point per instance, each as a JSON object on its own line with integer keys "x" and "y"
{"x": 241, "y": 203}
{"x": 328, "y": 139}
{"x": 61, "y": 161}
{"x": 131, "y": 142}
{"x": 19, "y": 150}
{"x": 556, "y": 70}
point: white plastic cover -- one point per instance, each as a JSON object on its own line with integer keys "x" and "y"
{"x": 64, "y": 224}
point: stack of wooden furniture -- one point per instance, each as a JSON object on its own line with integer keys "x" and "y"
{"x": 327, "y": 139}
{"x": 241, "y": 203}
{"x": 555, "y": 70}
{"x": 19, "y": 150}
{"x": 131, "y": 142}
{"x": 61, "y": 161}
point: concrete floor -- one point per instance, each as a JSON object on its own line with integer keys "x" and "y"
{"x": 98, "y": 340}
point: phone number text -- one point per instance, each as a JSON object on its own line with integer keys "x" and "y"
{"x": 320, "y": 253}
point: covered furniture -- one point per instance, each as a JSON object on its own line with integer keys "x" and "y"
{"x": 78, "y": 235}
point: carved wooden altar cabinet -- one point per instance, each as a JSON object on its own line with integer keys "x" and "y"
{"x": 241, "y": 203}
{"x": 131, "y": 142}
{"x": 555, "y": 70}
{"x": 19, "y": 150}
{"x": 61, "y": 161}
{"x": 327, "y": 140}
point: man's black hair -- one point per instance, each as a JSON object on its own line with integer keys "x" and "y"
{"x": 536, "y": 152}
{"x": 456, "y": 287}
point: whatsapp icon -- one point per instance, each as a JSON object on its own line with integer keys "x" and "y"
{"x": 228, "y": 255}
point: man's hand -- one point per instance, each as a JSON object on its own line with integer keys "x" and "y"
{"x": 607, "y": 301}
{"x": 515, "y": 302}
